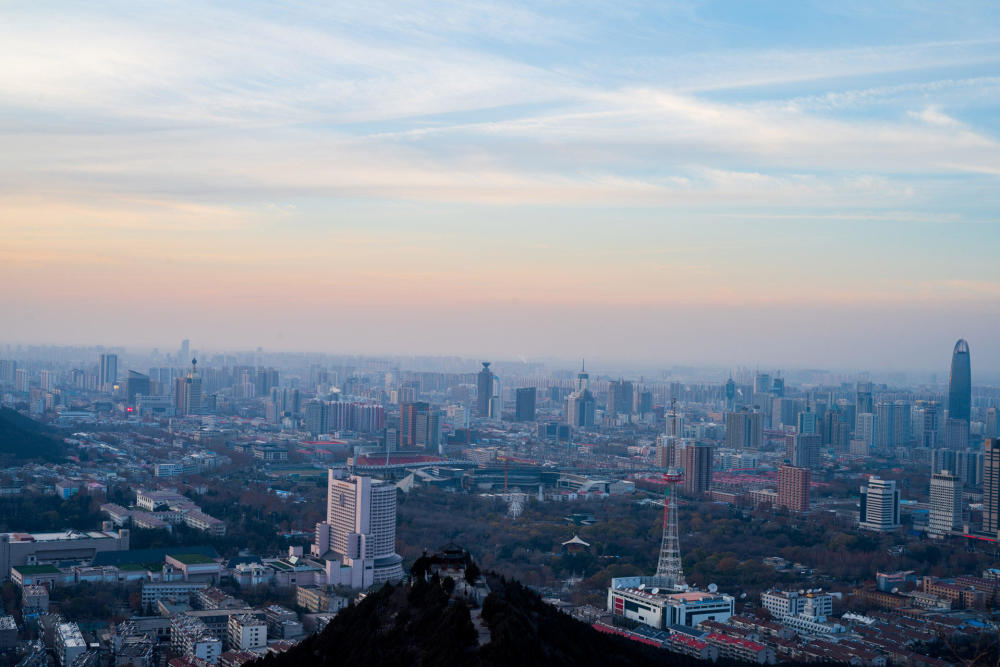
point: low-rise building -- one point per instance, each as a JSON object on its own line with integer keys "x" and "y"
{"x": 189, "y": 637}
{"x": 68, "y": 643}
{"x": 633, "y": 598}
{"x": 153, "y": 592}
{"x": 247, "y": 632}
{"x": 8, "y": 633}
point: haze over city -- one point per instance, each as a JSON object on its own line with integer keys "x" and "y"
{"x": 793, "y": 184}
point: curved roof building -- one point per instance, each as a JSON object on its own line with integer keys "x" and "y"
{"x": 960, "y": 385}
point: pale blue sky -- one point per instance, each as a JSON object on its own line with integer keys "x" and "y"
{"x": 509, "y": 171}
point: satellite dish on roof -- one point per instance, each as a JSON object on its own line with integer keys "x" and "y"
{"x": 642, "y": 587}
{"x": 712, "y": 588}
{"x": 655, "y": 591}
{"x": 895, "y": 589}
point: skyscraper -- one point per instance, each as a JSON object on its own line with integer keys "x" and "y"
{"x": 991, "y": 487}
{"x": 862, "y": 403}
{"x": 960, "y": 384}
{"x": 744, "y": 429}
{"x": 580, "y": 405}
{"x": 484, "y": 390}
{"x": 793, "y": 488}
{"x": 187, "y": 392}
{"x": 524, "y": 410}
{"x": 358, "y": 538}
{"x": 697, "y": 469}
{"x": 879, "y": 505}
{"x": 620, "y": 397}
{"x": 946, "y": 504}
{"x": 136, "y": 384}
{"x": 803, "y": 450}
{"x": 412, "y": 419}
{"x": 108, "y": 371}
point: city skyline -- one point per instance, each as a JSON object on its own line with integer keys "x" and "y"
{"x": 801, "y": 185}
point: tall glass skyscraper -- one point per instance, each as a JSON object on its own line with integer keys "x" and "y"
{"x": 960, "y": 387}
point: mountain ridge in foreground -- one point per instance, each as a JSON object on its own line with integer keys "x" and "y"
{"x": 423, "y": 624}
{"x": 22, "y": 438}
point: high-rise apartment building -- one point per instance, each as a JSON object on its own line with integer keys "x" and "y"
{"x": 697, "y": 462}
{"x": 744, "y": 429}
{"x": 946, "y": 504}
{"x": 358, "y": 538}
{"x": 8, "y": 369}
{"x": 866, "y": 428}
{"x": 524, "y": 408}
{"x": 991, "y": 487}
{"x": 793, "y": 488}
{"x": 879, "y": 505}
{"x": 107, "y": 373}
{"x": 893, "y": 425}
{"x": 22, "y": 380}
{"x": 484, "y": 390}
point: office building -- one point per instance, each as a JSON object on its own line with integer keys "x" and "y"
{"x": 317, "y": 417}
{"x": 866, "y": 429}
{"x": 793, "y": 488}
{"x": 581, "y": 407}
{"x": 879, "y": 505}
{"x": 946, "y": 504}
{"x": 863, "y": 402}
{"x": 662, "y": 608}
{"x": 419, "y": 426}
{"x": 484, "y": 390}
{"x": 187, "y": 392}
{"x": 893, "y": 425}
{"x": 931, "y": 426}
{"x": 524, "y": 410}
{"x": 107, "y": 373}
{"x": 697, "y": 462}
{"x": 136, "y": 384}
{"x": 621, "y": 396}
{"x": 803, "y": 450}
{"x": 991, "y": 487}
{"x": 806, "y": 422}
{"x": 960, "y": 383}
{"x": 744, "y": 429}
{"x": 358, "y": 538}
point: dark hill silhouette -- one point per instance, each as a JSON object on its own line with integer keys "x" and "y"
{"x": 22, "y": 438}
{"x": 422, "y": 625}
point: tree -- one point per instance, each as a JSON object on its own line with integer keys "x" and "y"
{"x": 472, "y": 573}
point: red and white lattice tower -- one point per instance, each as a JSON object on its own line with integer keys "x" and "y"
{"x": 669, "y": 571}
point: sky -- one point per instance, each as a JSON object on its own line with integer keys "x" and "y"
{"x": 799, "y": 184}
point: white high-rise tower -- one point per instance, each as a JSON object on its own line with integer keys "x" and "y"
{"x": 358, "y": 538}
